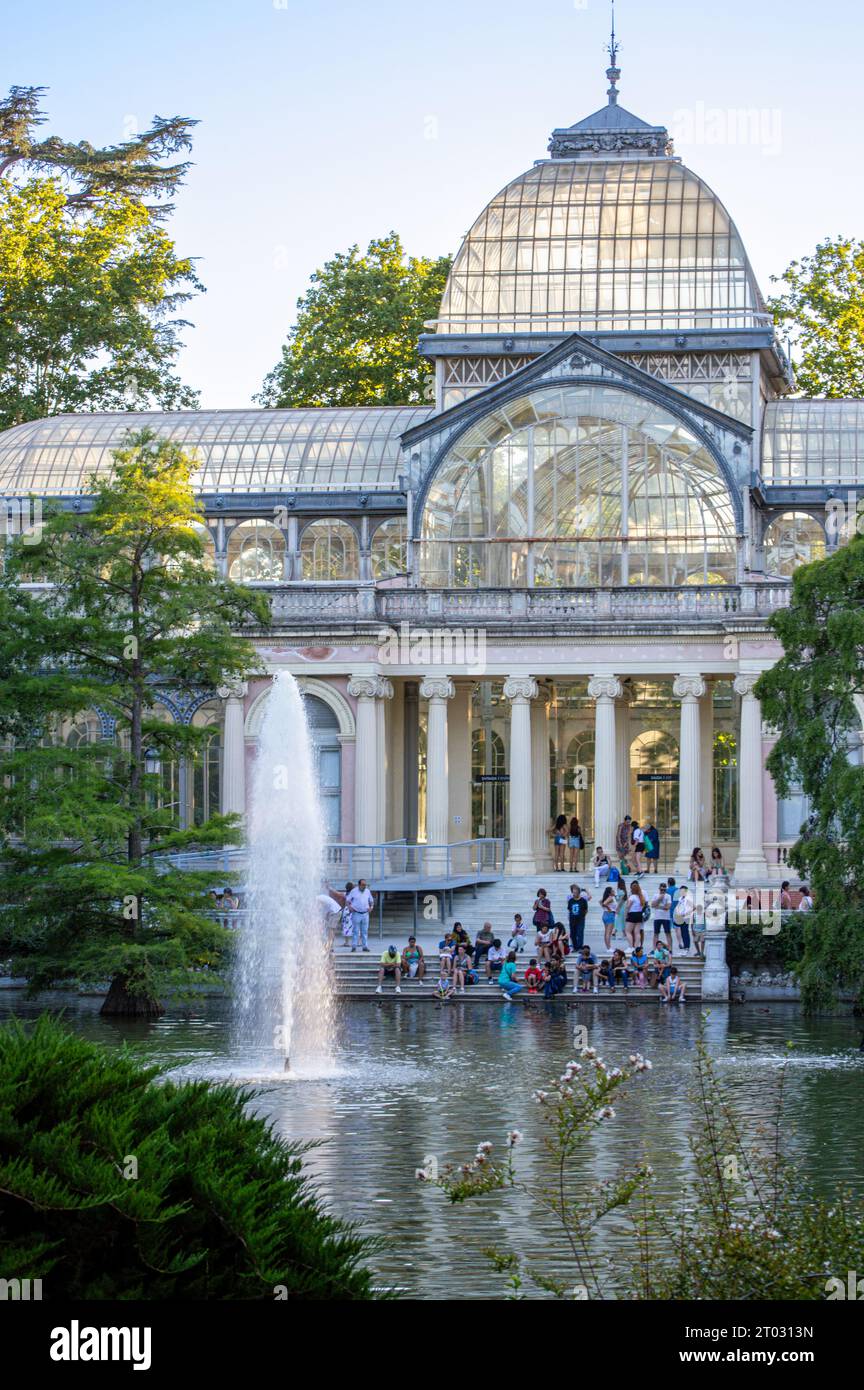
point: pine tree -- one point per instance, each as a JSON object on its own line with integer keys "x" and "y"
{"x": 131, "y": 609}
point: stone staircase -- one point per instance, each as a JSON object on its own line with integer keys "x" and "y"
{"x": 357, "y": 974}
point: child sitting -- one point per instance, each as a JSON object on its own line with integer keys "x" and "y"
{"x": 517, "y": 934}
{"x": 444, "y": 987}
{"x": 638, "y": 963}
{"x": 533, "y": 976}
{"x": 446, "y": 952}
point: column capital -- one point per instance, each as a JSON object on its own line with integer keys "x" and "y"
{"x": 520, "y": 688}
{"x": 437, "y": 688}
{"x": 370, "y": 688}
{"x": 687, "y": 687}
{"x": 605, "y": 688}
{"x": 232, "y": 689}
{"x": 744, "y": 683}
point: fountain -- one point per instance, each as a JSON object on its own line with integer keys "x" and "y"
{"x": 284, "y": 1009}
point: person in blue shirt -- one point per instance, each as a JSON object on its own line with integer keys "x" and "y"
{"x": 652, "y": 846}
{"x": 507, "y": 978}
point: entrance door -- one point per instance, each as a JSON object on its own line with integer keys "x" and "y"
{"x": 654, "y": 786}
{"x": 324, "y": 728}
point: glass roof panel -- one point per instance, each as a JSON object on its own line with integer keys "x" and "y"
{"x": 806, "y": 441}
{"x": 239, "y": 451}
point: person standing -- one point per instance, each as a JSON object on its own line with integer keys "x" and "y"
{"x": 624, "y": 844}
{"x": 361, "y": 903}
{"x": 560, "y": 838}
{"x": 682, "y": 917}
{"x": 576, "y": 842}
{"x": 577, "y": 913}
{"x": 806, "y": 902}
{"x": 635, "y": 915}
{"x": 638, "y": 838}
{"x": 652, "y": 847}
{"x": 661, "y": 905}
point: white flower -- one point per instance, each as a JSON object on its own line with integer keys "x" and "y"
{"x": 540, "y": 1097}
{"x": 514, "y": 1137}
{"x": 485, "y": 1147}
{"x": 615, "y": 1073}
{"x": 589, "y": 1052}
{"x": 607, "y": 1113}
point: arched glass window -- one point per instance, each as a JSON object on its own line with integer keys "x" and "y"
{"x": 86, "y": 727}
{"x": 390, "y": 549}
{"x": 329, "y": 551}
{"x": 488, "y": 798}
{"x": 208, "y": 556}
{"x": 204, "y": 769}
{"x": 578, "y": 487}
{"x": 793, "y": 539}
{"x": 654, "y": 781}
{"x": 324, "y": 728}
{"x": 256, "y": 553}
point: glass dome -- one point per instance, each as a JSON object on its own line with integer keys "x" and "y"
{"x": 239, "y": 450}
{"x": 579, "y": 486}
{"x": 590, "y": 245}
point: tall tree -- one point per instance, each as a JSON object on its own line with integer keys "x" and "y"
{"x": 132, "y": 610}
{"x": 809, "y": 697}
{"x": 355, "y": 339}
{"x": 90, "y": 283}
{"x": 822, "y": 308}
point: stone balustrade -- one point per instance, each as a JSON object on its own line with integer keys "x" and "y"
{"x": 323, "y": 604}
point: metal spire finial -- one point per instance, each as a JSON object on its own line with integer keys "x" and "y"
{"x": 613, "y": 72}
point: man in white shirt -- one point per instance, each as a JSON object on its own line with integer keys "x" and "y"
{"x": 361, "y": 903}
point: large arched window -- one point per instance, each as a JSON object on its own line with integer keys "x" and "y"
{"x": 793, "y": 539}
{"x": 204, "y": 767}
{"x": 390, "y": 548}
{"x": 324, "y": 728}
{"x": 329, "y": 551}
{"x": 256, "y": 553}
{"x": 578, "y": 486}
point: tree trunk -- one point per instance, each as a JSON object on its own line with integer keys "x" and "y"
{"x": 120, "y": 1002}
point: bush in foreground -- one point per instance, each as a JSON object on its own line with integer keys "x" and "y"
{"x": 220, "y": 1207}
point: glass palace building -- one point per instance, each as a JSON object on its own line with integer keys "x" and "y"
{"x": 549, "y": 590}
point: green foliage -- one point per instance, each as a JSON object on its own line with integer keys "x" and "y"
{"x": 809, "y": 697}
{"x": 750, "y": 1228}
{"x": 132, "y": 609}
{"x": 747, "y": 944}
{"x": 746, "y": 1226}
{"x": 89, "y": 282}
{"x": 822, "y": 307}
{"x": 220, "y": 1206}
{"x": 573, "y": 1107}
{"x": 355, "y": 340}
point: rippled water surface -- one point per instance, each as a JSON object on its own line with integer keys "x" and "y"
{"x": 411, "y": 1081}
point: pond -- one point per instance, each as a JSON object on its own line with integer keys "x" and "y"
{"x": 414, "y": 1081}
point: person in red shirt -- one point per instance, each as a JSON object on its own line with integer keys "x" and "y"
{"x": 533, "y": 976}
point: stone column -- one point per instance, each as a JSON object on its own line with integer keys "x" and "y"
{"x": 751, "y": 868}
{"x": 520, "y": 691}
{"x": 622, "y": 757}
{"x": 411, "y": 761}
{"x": 541, "y": 778}
{"x": 459, "y": 759}
{"x": 706, "y": 728}
{"x": 604, "y": 691}
{"x": 437, "y": 690}
{"x": 385, "y": 694}
{"x": 233, "y": 749}
{"x": 367, "y": 691}
{"x": 689, "y": 690}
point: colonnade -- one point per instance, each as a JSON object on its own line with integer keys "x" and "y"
{"x": 448, "y": 763}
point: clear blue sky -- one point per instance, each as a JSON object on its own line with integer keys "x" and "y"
{"x": 316, "y": 118}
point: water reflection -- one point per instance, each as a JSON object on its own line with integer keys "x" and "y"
{"x": 412, "y": 1081}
